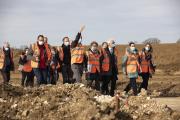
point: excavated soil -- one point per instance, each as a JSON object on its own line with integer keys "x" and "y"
{"x": 76, "y": 102}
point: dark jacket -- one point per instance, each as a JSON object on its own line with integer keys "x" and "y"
{"x": 8, "y": 61}
{"x": 22, "y": 61}
{"x": 67, "y": 50}
{"x": 55, "y": 60}
{"x": 67, "y": 54}
{"x": 76, "y": 41}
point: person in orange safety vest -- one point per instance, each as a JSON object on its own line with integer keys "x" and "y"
{"x": 6, "y": 62}
{"x": 109, "y": 67}
{"x": 40, "y": 59}
{"x": 132, "y": 67}
{"x": 26, "y": 69}
{"x": 55, "y": 65}
{"x": 93, "y": 65}
{"x": 77, "y": 57}
{"x": 146, "y": 64}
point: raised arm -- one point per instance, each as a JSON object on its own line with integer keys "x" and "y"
{"x": 78, "y": 36}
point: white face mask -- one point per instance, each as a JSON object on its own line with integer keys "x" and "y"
{"x": 113, "y": 45}
{"x": 41, "y": 42}
{"x": 132, "y": 48}
{"x": 66, "y": 43}
{"x": 53, "y": 52}
{"x": 147, "y": 48}
{"x": 93, "y": 48}
{"x": 26, "y": 51}
{"x": 6, "y": 48}
{"x": 110, "y": 48}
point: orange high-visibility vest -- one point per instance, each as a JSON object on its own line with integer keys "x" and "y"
{"x": 105, "y": 62}
{"x": 93, "y": 61}
{"x": 77, "y": 55}
{"x": 132, "y": 65}
{"x": 144, "y": 64}
{"x": 35, "y": 48}
{"x": 2, "y": 58}
{"x": 27, "y": 67}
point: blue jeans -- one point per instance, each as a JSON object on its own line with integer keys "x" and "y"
{"x": 144, "y": 84}
{"x": 41, "y": 75}
{"x": 48, "y": 75}
{"x": 132, "y": 85}
{"x": 54, "y": 77}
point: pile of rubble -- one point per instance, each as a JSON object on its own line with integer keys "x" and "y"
{"x": 78, "y": 103}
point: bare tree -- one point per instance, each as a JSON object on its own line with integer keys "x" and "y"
{"x": 152, "y": 41}
{"x": 178, "y": 41}
{"x": 134, "y": 42}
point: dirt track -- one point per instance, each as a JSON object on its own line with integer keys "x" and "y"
{"x": 172, "y": 102}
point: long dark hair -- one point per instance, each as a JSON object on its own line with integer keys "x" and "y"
{"x": 150, "y": 47}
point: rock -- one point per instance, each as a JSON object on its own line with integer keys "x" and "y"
{"x": 14, "y": 106}
{"x": 45, "y": 103}
{"x": 148, "y": 98}
{"x": 25, "y": 113}
{"x": 135, "y": 117}
{"x": 143, "y": 92}
{"x": 155, "y": 93}
{"x": 81, "y": 85}
{"x": 2, "y": 100}
{"x": 104, "y": 98}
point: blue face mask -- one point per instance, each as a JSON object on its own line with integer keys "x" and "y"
{"x": 132, "y": 48}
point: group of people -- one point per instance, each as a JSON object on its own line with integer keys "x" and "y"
{"x": 99, "y": 63}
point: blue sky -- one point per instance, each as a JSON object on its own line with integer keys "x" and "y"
{"x": 125, "y": 20}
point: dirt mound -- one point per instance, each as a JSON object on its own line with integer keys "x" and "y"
{"x": 78, "y": 103}
{"x": 165, "y": 89}
{"x": 8, "y": 91}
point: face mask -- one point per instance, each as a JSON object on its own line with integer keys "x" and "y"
{"x": 147, "y": 48}
{"x": 6, "y": 48}
{"x": 66, "y": 43}
{"x": 111, "y": 50}
{"x": 132, "y": 48}
{"x": 53, "y": 52}
{"x": 104, "y": 47}
{"x": 26, "y": 51}
{"x": 113, "y": 45}
{"x": 41, "y": 42}
{"x": 93, "y": 48}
